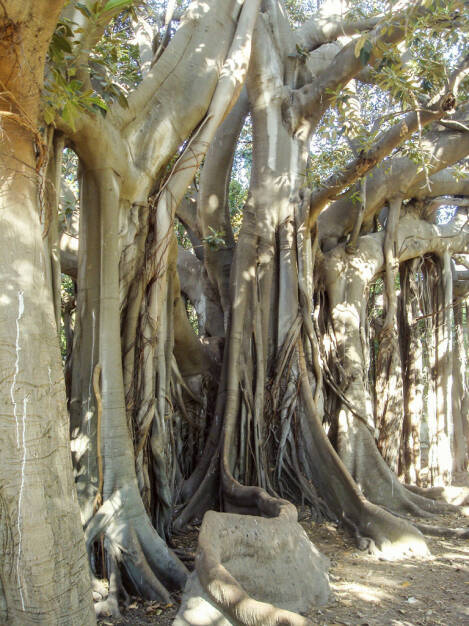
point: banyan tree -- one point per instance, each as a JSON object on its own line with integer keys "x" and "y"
{"x": 245, "y": 222}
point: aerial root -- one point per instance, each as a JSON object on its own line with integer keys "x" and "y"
{"x": 412, "y": 508}
{"x": 397, "y": 497}
{"x": 201, "y": 499}
{"x": 363, "y": 543}
{"x": 229, "y": 595}
{"x": 109, "y": 606}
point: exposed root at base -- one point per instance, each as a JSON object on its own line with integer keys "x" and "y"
{"x": 393, "y": 537}
{"x": 455, "y": 496}
{"x": 133, "y": 547}
{"x": 443, "y": 531}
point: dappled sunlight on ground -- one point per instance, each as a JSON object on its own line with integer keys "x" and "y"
{"x": 367, "y": 590}
{"x": 368, "y": 593}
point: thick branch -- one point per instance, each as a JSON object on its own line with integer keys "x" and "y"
{"x": 366, "y": 160}
{"x": 391, "y": 263}
{"x": 178, "y": 90}
{"x": 196, "y": 286}
{"x": 213, "y": 210}
{"x": 416, "y": 237}
{"x": 309, "y": 102}
{"x": 324, "y": 28}
{"x": 171, "y": 101}
{"x": 401, "y": 174}
{"x": 69, "y": 255}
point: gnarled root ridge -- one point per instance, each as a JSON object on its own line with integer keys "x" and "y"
{"x": 389, "y": 536}
{"x": 443, "y": 531}
{"x": 255, "y": 571}
{"x": 134, "y": 551}
{"x": 456, "y": 496}
{"x": 381, "y": 486}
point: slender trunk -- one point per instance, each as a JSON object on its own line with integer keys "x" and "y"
{"x": 389, "y": 391}
{"x": 213, "y": 208}
{"x": 444, "y": 419}
{"x": 51, "y": 219}
{"x": 431, "y": 303}
{"x": 413, "y": 381}
{"x": 86, "y": 349}
{"x": 459, "y": 393}
{"x": 111, "y": 502}
{"x": 465, "y": 402}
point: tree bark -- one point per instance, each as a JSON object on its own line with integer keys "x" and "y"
{"x": 43, "y": 569}
{"x": 346, "y": 280}
{"x": 444, "y": 418}
{"x": 459, "y": 392}
{"x": 389, "y": 369}
{"x": 413, "y": 376}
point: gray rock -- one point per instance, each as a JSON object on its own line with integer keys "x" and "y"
{"x": 272, "y": 559}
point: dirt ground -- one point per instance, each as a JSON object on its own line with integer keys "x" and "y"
{"x": 365, "y": 589}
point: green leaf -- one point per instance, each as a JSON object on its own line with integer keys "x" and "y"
{"x": 102, "y": 105}
{"x": 83, "y": 9}
{"x": 74, "y": 85}
{"x": 301, "y": 51}
{"x": 69, "y": 114}
{"x": 59, "y": 79}
{"x": 96, "y": 101}
{"x": 112, "y": 5}
{"x": 122, "y": 100}
{"x": 359, "y": 45}
{"x": 60, "y": 43}
{"x": 365, "y": 52}
{"x": 49, "y": 115}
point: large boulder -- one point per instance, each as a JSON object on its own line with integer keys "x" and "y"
{"x": 253, "y": 570}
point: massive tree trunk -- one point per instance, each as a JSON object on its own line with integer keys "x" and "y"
{"x": 267, "y": 438}
{"x": 346, "y": 281}
{"x": 43, "y": 572}
{"x": 127, "y": 462}
{"x": 271, "y": 389}
{"x": 289, "y": 299}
